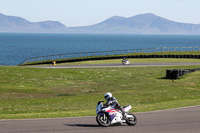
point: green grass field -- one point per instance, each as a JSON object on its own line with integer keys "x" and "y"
{"x": 122, "y": 55}
{"x": 48, "y": 93}
{"x": 137, "y": 60}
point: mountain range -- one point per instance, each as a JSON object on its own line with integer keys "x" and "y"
{"x": 21, "y": 25}
{"x": 140, "y": 24}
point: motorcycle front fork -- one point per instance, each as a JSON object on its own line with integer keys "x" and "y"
{"x": 104, "y": 117}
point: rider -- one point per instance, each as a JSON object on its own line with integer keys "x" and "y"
{"x": 113, "y": 101}
{"x": 124, "y": 59}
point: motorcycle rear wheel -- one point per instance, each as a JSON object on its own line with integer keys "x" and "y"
{"x": 131, "y": 121}
{"x": 101, "y": 121}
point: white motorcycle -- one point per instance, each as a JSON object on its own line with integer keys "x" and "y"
{"x": 107, "y": 116}
{"x": 126, "y": 62}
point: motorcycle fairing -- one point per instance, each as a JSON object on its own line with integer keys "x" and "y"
{"x": 127, "y": 108}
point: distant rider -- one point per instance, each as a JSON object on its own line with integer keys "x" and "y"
{"x": 113, "y": 101}
{"x": 124, "y": 59}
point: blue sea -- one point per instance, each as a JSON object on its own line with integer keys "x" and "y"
{"x": 16, "y": 47}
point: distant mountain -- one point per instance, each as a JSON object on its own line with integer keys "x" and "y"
{"x": 18, "y": 24}
{"x": 139, "y": 24}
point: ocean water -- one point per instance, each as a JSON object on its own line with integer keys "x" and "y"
{"x": 16, "y": 47}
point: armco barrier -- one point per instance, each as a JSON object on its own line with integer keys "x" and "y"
{"x": 115, "y": 54}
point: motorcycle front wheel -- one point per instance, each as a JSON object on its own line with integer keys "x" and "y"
{"x": 131, "y": 121}
{"x": 103, "y": 120}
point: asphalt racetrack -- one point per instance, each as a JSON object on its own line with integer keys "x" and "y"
{"x": 120, "y": 65}
{"x": 179, "y": 120}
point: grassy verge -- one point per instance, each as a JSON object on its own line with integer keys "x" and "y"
{"x": 49, "y": 93}
{"x": 137, "y": 60}
{"x": 107, "y": 56}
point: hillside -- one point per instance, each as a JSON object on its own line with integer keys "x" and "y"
{"x": 140, "y": 24}
{"x": 18, "y": 24}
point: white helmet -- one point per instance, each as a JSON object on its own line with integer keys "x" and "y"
{"x": 107, "y": 95}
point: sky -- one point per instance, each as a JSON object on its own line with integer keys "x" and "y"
{"x": 74, "y": 13}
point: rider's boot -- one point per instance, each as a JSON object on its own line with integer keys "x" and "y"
{"x": 123, "y": 115}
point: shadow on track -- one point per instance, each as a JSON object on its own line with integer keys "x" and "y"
{"x": 91, "y": 125}
{"x": 82, "y": 125}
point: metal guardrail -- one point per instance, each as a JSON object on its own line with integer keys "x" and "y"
{"x": 107, "y": 53}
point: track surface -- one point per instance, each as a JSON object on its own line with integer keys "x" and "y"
{"x": 118, "y": 65}
{"x": 180, "y": 120}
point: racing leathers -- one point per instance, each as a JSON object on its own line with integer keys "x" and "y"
{"x": 113, "y": 102}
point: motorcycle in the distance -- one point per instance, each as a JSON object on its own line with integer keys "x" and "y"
{"x": 107, "y": 116}
{"x": 126, "y": 62}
